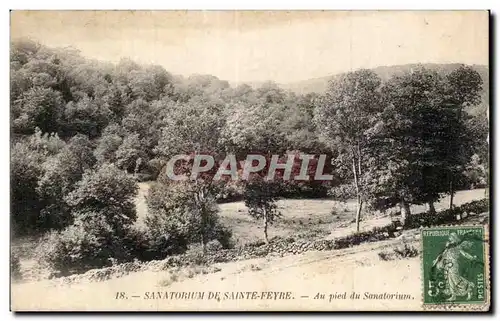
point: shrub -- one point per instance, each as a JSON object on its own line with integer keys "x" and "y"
{"x": 214, "y": 246}
{"x": 376, "y": 234}
{"x": 447, "y": 216}
{"x": 476, "y": 207}
{"x": 108, "y": 191}
{"x": 175, "y": 212}
{"x": 15, "y": 267}
{"x": 222, "y": 234}
{"x": 195, "y": 256}
{"x": 384, "y": 256}
{"x": 88, "y": 243}
{"x": 399, "y": 252}
{"x": 25, "y": 171}
{"x": 103, "y": 211}
{"x": 257, "y": 243}
{"x": 154, "y": 167}
{"x": 406, "y": 251}
{"x": 146, "y": 246}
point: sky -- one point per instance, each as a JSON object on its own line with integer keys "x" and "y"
{"x": 248, "y": 46}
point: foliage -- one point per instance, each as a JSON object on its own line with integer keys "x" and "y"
{"x": 418, "y": 143}
{"x": 130, "y": 154}
{"x": 108, "y": 144}
{"x": 376, "y": 234}
{"x": 399, "y": 252}
{"x": 406, "y": 251}
{"x": 103, "y": 210}
{"x": 79, "y": 127}
{"x": 61, "y": 172}
{"x": 344, "y": 117}
{"x": 27, "y": 168}
{"x": 178, "y": 214}
{"x": 25, "y": 171}
{"x": 88, "y": 243}
{"x": 260, "y": 198}
{"x": 107, "y": 191}
{"x": 15, "y": 267}
{"x": 447, "y": 216}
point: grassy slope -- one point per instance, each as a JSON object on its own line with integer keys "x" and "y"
{"x": 352, "y": 269}
{"x": 304, "y": 216}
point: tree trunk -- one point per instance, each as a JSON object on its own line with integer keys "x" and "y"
{"x": 265, "y": 226}
{"x": 451, "y": 193}
{"x": 201, "y": 207}
{"x": 405, "y": 211}
{"x": 432, "y": 209}
{"x": 358, "y": 196}
{"x": 358, "y": 214}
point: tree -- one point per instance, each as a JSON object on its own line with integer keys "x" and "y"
{"x": 193, "y": 129}
{"x": 178, "y": 214}
{"x": 299, "y": 126}
{"x": 103, "y": 211}
{"x": 252, "y": 129}
{"x": 109, "y": 142}
{"x": 410, "y": 140}
{"x": 150, "y": 83}
{"x": 410, "y": 156}
{"x": 463, "y": 89}
{"x": 344, "y": 115}
{"x": 130, "y": 154}
{"x": 260, "y": 198}
{"x": 60, "y": 174}
{"x": 37, "y": 107}
{"x": 87, "y": 116}
{"x": 27, "y": 168}
{"x": 194, "y": 126}
{"x": 108, "y": 192}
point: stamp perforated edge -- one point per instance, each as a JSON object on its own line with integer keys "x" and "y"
{"x": 461, "y": 307}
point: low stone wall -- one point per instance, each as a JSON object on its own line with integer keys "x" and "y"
{"x": 276, "y": 247}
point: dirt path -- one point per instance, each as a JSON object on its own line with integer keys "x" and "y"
{"x": 355, "y": 269}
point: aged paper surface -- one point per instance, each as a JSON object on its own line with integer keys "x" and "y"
{"x": 249, "y": 161}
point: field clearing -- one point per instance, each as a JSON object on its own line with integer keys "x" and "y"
{"x": 311, "y": 217}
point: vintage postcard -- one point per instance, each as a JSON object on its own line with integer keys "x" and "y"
{"x": 250, "y": 161}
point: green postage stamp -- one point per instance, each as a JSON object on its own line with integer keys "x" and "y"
{"x": 455, "y": 269}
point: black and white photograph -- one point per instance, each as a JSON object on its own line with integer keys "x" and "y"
{"x": 205, "y": 160}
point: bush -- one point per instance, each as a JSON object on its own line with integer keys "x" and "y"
{"x": 15, "y": 267}
{"x": 399, "y": 252}
{"x": 25, "y": 171}
{"x": 214, "y": 246}
{"x": 154, "y": 168}
{"x": 195, "y": 256}
{"x": 146, "y": 246}
{"x": 406, "y": 251}
{"x": 376, "y": 234}
{"x": 108, "y": 191}
{"x": 447, "y": 216}
{"x": 476, "y": 207}
{"x": 85, "y": 245}
{"x": 384, "y": 256}
{"x": 223, "y": 235}
{"x": 174, "y": 212}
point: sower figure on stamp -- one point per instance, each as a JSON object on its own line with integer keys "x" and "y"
{"x": 448, "y": 261}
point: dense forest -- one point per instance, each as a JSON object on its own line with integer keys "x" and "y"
{"x": 84, "y": 132}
